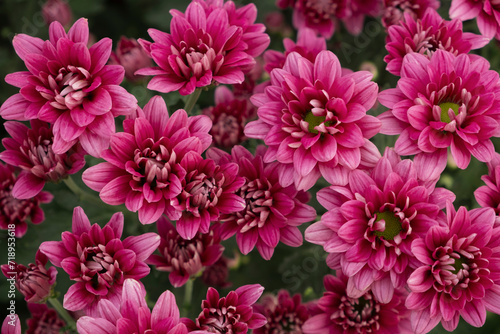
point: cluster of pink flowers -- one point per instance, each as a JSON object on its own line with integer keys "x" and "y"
{"x": 401, "y": 257}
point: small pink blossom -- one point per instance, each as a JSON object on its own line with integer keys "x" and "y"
{"x": 488, "y": 196}
{"x": 11, "y": 324}
{"x": 285, "y": 314}
{"x": 181, "y": 257}
{"x": 15, "y": 213}
{"x": 373, "y": 220}
{"x": 321, "y": 16}
{"x": 229, "y": 116}
{"x": 231, "y": 314}
{"x": 217, "y": 274}
{"x": 69, "y": 86}
{"x": 340, "y": 313}
{"x": 444, "y": 102}
{"x": 143, "y": 164}
{"x": 394, "y": 10}
{"x": 57, "y": 10}
{"x": 212, "y": 42}
{"x": 132, "y": 314}
{"x": 31, "y": 150}
{"x": 44, "y": 320}
{"x": 271, "y": 213}
{"x": 98, "y": 261}
{"x": 426, "y": 35}
{"x": 357, "y": 11}
{"x": 459, "y": 274}
{"x": 131, "y": 55}
{"x": 486, "y": 13}
{"x": 313, "y": 118}
{"x": 35, "y": 281}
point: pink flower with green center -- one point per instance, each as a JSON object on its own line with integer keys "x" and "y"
{"x": 340, "y": 313}
{"x": 143, "y": 164}
{"x": 212, "y": 42}
{"x": 271, "y": 213}
{"x": 444, "y": 102}
{"x": 181, "y": 257}
{"x": 486, "y": 13}
{"x": 17, "y": 212}
{"x": 69, "y": 86}
{"x": 459, "y": 273}
{"x": 98, "y": 261}
{"x": 426, "y": 35}
{"x": 373, "y": 220}
{"x": 313, "y": 118}
{"x": 131, "y": 315}
{"x": 232, "y": 314}
{"x": 31, "y": 150}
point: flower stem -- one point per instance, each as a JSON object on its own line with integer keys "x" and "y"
{"x": 191, "y": 100}
{"x": 188, "y": 295}
{"x": 70, "y": 322}
{"x": 80, "y": 193}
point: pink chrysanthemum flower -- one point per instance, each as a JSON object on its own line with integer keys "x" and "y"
{"x": 488, "y": 196}
{"x": 34, "y": 281}
{"x": 426, "y": 35}
{"x": 321, "y": 16}
{"x": 181, "y": 257}
{"x": 357, "y": 11}
{"x": 486, "y": 13}
{"x": 208, "y": 191}
{"x": 395, "y": 10}
{"x": 229, "y": 116}
{"x": 313, "y": 118}
{"x": 16, "y": 212}
{"x": 132, "y": 56}
{"x": 44, "y": 320}
{"x": 69, "y": 86}
{"x": 446, "y": 101}
{"x": 213, "y": 42}
{"x": 31, "y": 150}
{"x": 132, "y": 314}
{"x": 98, "y": 260}
{"x": 372, "y": 221}
{"x": 271, "y": 214}
{"x": 285, "y": 314}
{"x": 142, "y": 167}
{"x": 308, "y": 45}
{"x": 217, "y": 274}
{"x": 340, "y": 313}
{"x": 459, "y": 273}
{"x": 231, "y": 314}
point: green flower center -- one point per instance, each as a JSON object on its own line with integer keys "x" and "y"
{"x": 392, "y": 225}
{"x": 313, "y": 121}
{"x": 458, "y": 264}
{"x": 444, "y": 110}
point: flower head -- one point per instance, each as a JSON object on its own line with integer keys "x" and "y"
{"x": 69, "y": 86}
{"x": 486, "y": 13}
{"x": 208, "y": 191}
{"x": 321, "y": 16}
{"x": 212, "y": 42}
{"x": 217, "y": 274}
{"x": 132, "y": 314}
{"x": 131, "y": 55}
{"x": 44, "y": 320}
{"x": 57, "y": 10}
{"x": 446, "y": 101}
{"x": 426, "y": 35}
{"x": 231, "y": 314}
{"x": 181, "y": 257}
{"x": 394, "y": 10}
{"x": 271, "y": 213}
{"x": 98, "y": 260}
{"x": 15, "y": 213}
{"x": 313, "y": 118}
{"x": 143, "y": 164}
{"x": 372, "y": 221}
{"x": 31, "y": 150}
{"x": 488, "y": 196}
{"x": 285, "y": 314}
{"x": 459, "y": 274}
{"x": 341, "y": 313}
{"x": 229, "y": 116}
{"x": 34, "y": 281}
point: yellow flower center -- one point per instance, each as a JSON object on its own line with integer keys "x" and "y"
{"x": 444, "y": 110}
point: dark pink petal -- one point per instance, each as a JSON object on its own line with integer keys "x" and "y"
{"x": 115, "y": 191}
{"x": 90, "y": 325}
{"x": 14, "y": 107}
{"x": 77, "y": 297}
{"x": 27, "y": 186}
{"x": 55, "y": 251}
{"x": 143, "y": 245}
{"x": 96, "y": 177}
